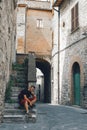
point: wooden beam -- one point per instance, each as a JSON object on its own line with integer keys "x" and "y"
{"x": 22, "y": 5}
{"x": 57, "y": 3}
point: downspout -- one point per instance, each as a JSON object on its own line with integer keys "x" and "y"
{"x": 58, "y": 56}
{"x": 58, "y": 52}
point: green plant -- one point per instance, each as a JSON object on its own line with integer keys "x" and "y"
{"x": 8, "y": 90}
{"x": 17, "y": 66}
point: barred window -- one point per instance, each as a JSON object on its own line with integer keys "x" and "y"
{"x": 74, "y": 18}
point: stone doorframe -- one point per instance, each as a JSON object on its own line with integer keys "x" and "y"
{"x": 78, "y": 60}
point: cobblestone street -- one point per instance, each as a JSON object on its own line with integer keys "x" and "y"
{"x": 54, "y": 117}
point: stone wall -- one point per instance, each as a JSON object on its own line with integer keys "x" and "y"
{"x": 30, "y": 38}
{"x": 37, "y": 4}
{"x": 39, "y": 40}
{"x": 7, "y": 45}
{"x": 73, "y": 46}
{"x": 54, "y": 59}
{"x": 21, "y": 26}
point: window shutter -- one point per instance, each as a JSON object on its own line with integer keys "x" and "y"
{"x": 76, "y": 16}
{"x": 72, "y": 19}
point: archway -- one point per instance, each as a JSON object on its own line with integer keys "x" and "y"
{"x": 45, "y": 67}
{"x": 76, "y": 83}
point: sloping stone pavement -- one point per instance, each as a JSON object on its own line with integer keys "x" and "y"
{"x": 53, "y": 117}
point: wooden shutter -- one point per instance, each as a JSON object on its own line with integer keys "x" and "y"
{"x": 74, "y": 18}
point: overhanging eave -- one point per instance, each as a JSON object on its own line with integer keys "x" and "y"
{"x": 57, "y": 3}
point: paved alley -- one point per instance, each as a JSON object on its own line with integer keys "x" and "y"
{"x": 53, "y": 117}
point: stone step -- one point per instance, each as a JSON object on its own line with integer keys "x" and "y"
{"x": 14, "y": 111}
{"x": 13, "y": 118}
{"x": 16, "y": 106}
{"x": 16, "y": 89}
{"x": 14, "y": 99}
{"x": 15, "y": 94}
{"x": 23, "y": 76}
{"x": 18, "y": 115}
{"x": 20, "y": 85}
{"x": 19, "y": 118}
{"x": 19, "y": 68}
{"x": 21, "y": 80}
{"x": 11, "y": 105}
{"x": 17, "y": 111}
{"x": 22, "y": 73}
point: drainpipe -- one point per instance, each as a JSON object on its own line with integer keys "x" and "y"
{"x": 58, "y": 55}
{"x": 58, "y": 51}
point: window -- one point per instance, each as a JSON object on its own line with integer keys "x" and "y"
{"x": 74, "y": 18}
{"x": 39, "y": 23}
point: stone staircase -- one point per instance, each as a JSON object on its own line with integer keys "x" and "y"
{"x": 13, "y": 112}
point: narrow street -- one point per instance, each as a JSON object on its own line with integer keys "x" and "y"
{"x": 53, "y": 117}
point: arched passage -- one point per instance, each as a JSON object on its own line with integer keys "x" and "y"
{"x": 45, "y": 67}
{"x": 76, "y": 83}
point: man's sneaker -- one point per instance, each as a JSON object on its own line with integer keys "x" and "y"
{"x": 33, "y": 106}
{"x": 27, "y": 112}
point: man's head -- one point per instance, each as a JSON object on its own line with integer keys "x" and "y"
{"x": 31, "y": 88}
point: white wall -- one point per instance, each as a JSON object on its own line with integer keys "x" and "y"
{"x": 54, "y": 61}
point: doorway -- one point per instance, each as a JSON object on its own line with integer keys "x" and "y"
{"x": 76, "y": 83}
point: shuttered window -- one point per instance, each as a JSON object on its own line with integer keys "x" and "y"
{"x": 74, "y": 18}
{"x": 39, "y": 23}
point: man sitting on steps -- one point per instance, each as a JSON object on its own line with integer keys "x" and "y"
{"x": 27, "y": 98}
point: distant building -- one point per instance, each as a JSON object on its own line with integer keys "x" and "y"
{"x": 72, "y": 53}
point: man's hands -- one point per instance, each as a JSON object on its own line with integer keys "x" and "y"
{"x": 30, "y": 103}
{"x": 27, "y": 99}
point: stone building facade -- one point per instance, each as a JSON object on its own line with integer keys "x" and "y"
{"x": 33, "y": 27}
{"x": 54, "y": 59}
{"x": 34, "y": 35}
{"x": 7, "y": 45}
{"x": 72, "y": 52}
